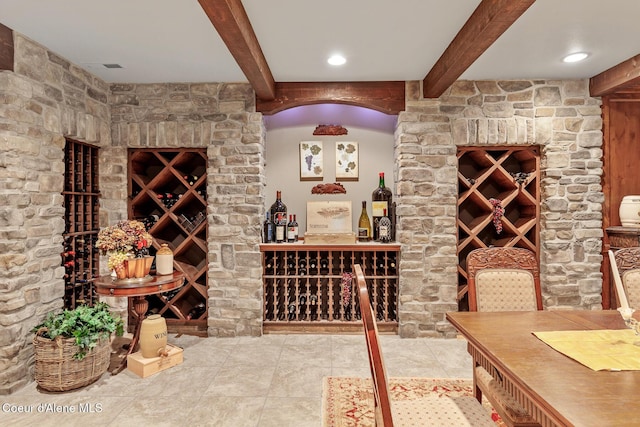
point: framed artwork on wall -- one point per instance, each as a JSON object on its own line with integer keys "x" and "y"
{"x": 311, "y": 161}
{"x": 347, "y": 161}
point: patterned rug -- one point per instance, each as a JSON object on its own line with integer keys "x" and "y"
{"x": 348, "y": 401}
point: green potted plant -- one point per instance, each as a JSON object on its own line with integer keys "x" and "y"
{"x": 72, "y": 347}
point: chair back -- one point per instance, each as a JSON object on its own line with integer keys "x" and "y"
{"x": 503, "y": 279}
{"x": 376, "y": 363}
{"x": 625, "y": 266}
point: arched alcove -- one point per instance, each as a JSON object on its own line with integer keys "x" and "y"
{"x": 372, "y": 130}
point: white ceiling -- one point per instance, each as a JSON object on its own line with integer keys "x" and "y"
{"x": 174, "y": 41}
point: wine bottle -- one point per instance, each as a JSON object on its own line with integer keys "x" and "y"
{"x": 381, "y": 200}
{"x": 292, "y": 229}
{"x": 324, "y": 265}
{"x": 268, "y": 263}
{"x": 313, "y": 266}
{"x": 291, "y": 263}
{"x": 197, "y": 311}
{"x": 391, "y": 264}
{"x": 281, "y": 227}
{"x": 278, "y": 207}
{"x": 384, "y": 228}
{"x": 268, "y": 229}
{"x": 149, "y": 221}
{"x": 364, "y": 225}
{"x": 290, "y": 233}
{"x": 302, "y": 267}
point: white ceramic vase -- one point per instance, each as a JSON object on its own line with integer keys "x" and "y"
{"x": 630, "y": 211}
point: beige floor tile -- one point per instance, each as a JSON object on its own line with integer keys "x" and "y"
{"x": 291, "y": 412}
{"x": 242, "y": 381}
{"x": 273, "y": 380}
{"x": 222, "y": 411}
{"x": 301, "y": 380}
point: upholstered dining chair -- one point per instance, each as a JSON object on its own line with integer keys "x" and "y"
{"x": 430, "y": 411}
{"x": 503, "y": 279}
{"x": 625, "y": 269}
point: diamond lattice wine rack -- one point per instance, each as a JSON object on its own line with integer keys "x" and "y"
{"x": 492, "y": 180}
{"x": 167, "y": 189}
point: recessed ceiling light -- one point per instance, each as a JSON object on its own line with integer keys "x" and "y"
{"x": 575, "y": 57}
{"x": 336, "y": 60}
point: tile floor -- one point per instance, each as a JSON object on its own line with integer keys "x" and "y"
{"x": 273, "y": 380}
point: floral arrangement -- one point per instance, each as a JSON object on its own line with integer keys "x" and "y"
{"x": 498, "y": 212}
{"x": 122, "y": 239}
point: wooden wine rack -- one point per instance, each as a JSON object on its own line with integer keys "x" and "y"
{"x": 167, "y": 190}
{"x": 304, "y": 286}
{"x": 510, "y": 174}
{"x": 80, "y": 258}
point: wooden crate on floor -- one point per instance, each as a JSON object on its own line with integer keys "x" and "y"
{"x": 146, "y": 366}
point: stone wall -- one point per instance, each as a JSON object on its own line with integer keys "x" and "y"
{"x": 47, "y": 99}
{"x": 43, "y": 101}
{"x": 557, "y": 115}
{"x": 221, "y": 117}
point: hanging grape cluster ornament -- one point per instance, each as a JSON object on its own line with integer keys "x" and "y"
{"x": 346, "y": 289}
{"x": 498, "y": 213}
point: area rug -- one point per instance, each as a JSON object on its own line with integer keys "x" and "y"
{"x": 348, "y": 401}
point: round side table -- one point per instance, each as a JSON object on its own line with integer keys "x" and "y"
{"x": 108, "y": 286}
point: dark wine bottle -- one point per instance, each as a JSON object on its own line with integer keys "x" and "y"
{"x": 324, "y": 265}
{"x": 381, "y": 200}
{"x": 268, "y": 230}
{"x": 268, "y": 263}
{"x": 391, "y": 264}
{"x": 291, "y": 263}
{"x": 384, "y": 228}
{"x": 278, "y": 207}
{"x": 292, "y": 229}
{"x": 197, "y": 311}
{"x": 302, "y": 267}
{"x": 149, "y": 221}
{"x": 281, "y": 228}
{"x": 313, "y": 266}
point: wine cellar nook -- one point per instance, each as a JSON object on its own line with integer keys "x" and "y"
{"x": 498, "y": 202}
{"x": 167, "y": 190}
{"x": 80, "y": 258}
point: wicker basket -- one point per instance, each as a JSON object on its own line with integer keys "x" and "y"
{"x": 57, "y": 370}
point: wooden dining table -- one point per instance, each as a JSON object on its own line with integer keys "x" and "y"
{"x": 555, "y": 389}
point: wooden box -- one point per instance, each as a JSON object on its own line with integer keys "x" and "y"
{"x": 329, "y": 217}
{"x": 146, "y": 366}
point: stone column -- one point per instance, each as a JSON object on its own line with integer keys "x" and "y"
{"x": 565, "y": 122}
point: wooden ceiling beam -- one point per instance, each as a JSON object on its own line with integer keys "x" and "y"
{"x": 616, "y": 78}
{"x": 232, "y": 23}
{"x": 385, "y": 96}
{"x": 488, "y": 22}
{"x": 6, "y": 48}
